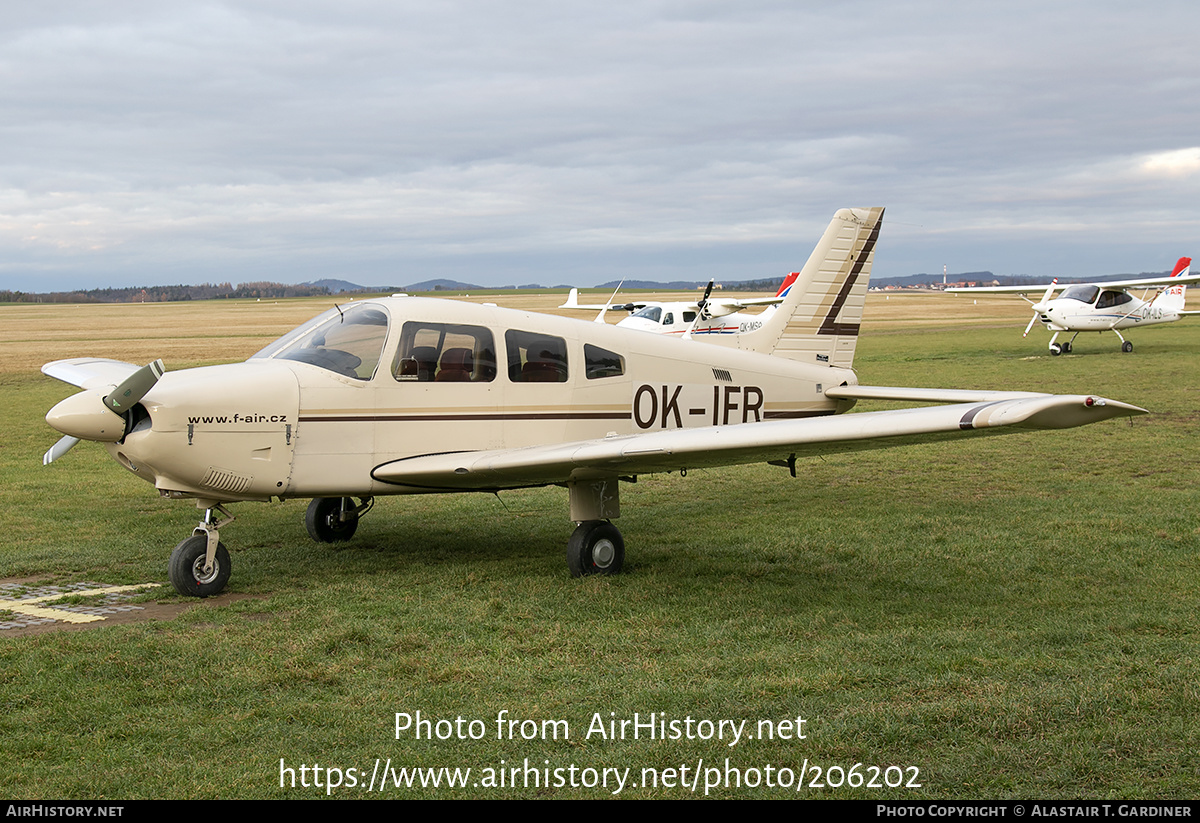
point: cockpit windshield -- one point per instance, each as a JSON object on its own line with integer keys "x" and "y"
{"x": 652, "y": 313}
{"x": 346, "y": 341}
{"x": 1084, "y": 294}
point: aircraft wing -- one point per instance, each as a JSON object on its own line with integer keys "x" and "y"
{"x": 1003, "y": 289}
{"x": 573, "y": 303}
{"x": 89, "y": 372}
{"x": 677, "y": 449}
{"x": 1181, "y": 280}
{"x": 737, "y": 304}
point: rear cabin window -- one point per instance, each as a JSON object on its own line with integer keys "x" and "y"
{"x": 536, "y": 358}
{"x": 600, "y": 362}
{"x": 1109, "y": 299}
{"x": 442, "y": 353}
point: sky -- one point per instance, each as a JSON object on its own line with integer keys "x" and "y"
{"x": 388, "y": 142}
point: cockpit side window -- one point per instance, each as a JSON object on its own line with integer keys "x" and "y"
{"x": 535, "y": 357}
{"x": 1109, "y": 299}
{"x": 444, "y": 353}
{"x": 651, "y": 313}
{"x": 349, "y": 342}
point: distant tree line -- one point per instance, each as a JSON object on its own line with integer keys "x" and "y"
{"x": 163, "y": 294}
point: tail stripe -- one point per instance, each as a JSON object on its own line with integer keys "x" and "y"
{"x": 830, "y": 324}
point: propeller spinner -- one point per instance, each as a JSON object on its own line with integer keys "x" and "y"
{"x": 1040, "y": 306}
{"x": 87, "y": 416}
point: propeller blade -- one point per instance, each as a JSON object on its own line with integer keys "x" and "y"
{"x": 64, "y": 445}
{"x": 701, "y": 314}
{"x": 703, "y": 305}
{"x": 134, "y": 388}
{"x": 1032, "y": 320}
{"x": 1050, "y": 290}
{"x": 1039, "y": 307}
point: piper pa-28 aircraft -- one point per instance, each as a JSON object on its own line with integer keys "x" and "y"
{"x": 407, "y": 395}
{"x": 1102, "y": 307}
{"x": 708, "y": 315}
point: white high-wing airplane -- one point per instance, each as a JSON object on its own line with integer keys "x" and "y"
{"x": 708, "y": 315}
{"x": 1102, "y": 307}
{"x": 406, "y": 395}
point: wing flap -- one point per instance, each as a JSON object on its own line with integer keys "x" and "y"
{"x": 89, "y": 372}
{"x": 906, "y": 393}
{"x": 745, "y": 443}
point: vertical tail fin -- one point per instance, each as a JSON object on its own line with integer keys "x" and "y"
{"x": 1173, "y": 297}
{"x": 818, "y": 320}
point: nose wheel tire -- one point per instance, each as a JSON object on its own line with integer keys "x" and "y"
{"x": 186, "y": 568}
{"x": 596, "y": 547}
{"x": 324, "y": 519}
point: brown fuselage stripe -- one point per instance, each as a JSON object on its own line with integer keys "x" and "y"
{"x": 791, "y": 415}
{"x": 387, "y": 418}
{"x": 420, "y": 418}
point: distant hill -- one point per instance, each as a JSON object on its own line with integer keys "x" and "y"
{"x": 160, "y": 294}
{"x": 935, "y": 280}
{"x": 914, "y": 280}
{"x": 337, "y": 286}
{"x": 770, "y": 284}
{"x": 442, "y": 285}
{"x": 340, "y": 286}
{"x": 263, "y": 290}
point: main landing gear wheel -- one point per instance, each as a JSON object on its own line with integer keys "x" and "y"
{"x": 186, "y": 568}
{"x": 1066, "y": 347}
{"x": 595, "y": 547}
{"x": 1056, "y": 349}
{"x": 1127, "y": 347}
{"x": 324, "y": 519}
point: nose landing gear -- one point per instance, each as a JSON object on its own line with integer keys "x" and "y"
{"x": 200, "y": 565}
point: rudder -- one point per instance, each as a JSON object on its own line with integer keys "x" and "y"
{"x": 1173, "y": 298}
{"x": 818, "y": 322}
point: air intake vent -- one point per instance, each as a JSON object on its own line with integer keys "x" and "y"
{"x": 721, "y": 374}
{"x": 226, "y": 481}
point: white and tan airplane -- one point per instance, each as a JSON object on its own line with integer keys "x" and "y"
{"x": 406, "y": 395}
{"x": 1102, "y": 307}
{"x": 708, "y": 315}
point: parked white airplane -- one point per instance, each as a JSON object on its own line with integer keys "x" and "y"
{"x": 407, "y": 395}
{"x": 1102, "y": 307}
{"x": 708, "y": 315}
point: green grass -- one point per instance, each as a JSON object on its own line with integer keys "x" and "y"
{"x": 1014, "y": 616}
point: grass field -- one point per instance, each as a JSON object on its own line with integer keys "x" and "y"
{"x": 1012, "y": 618}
